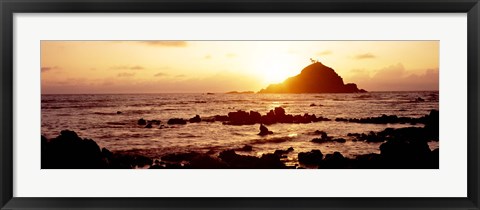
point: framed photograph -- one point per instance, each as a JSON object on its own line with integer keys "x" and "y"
{"x": 239, "y": 105}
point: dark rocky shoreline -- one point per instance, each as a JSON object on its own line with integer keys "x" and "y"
{"x": 402, "y": 148}
{"x": 278, "y": 115}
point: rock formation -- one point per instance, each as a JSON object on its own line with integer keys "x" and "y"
{"x": 315, "y": 78}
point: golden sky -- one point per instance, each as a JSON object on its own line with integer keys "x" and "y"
{"x": 220, "y": 66}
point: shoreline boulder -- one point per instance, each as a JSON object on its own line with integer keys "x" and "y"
{"x": 141, "y": 121}
{"x": 264, "y": 131}
{"x": 176, "y": 121}
{"x": 195, "y": 119}
{"x": 314, "y": 157}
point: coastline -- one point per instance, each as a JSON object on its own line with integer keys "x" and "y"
{"x": 400, "y": 148}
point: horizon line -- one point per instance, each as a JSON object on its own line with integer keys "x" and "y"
{"x": 240, "y": 92}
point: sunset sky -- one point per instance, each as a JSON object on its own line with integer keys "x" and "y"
{"x": 220, "y": 66}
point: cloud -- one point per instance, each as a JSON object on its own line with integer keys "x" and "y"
{"x": 125, "y": 74}
{"x": 221, "y": 82}
{"x": 395, "y": 78}
{"x": 66, "y": 82}
{"x": 165, "y": 43}
{"x": 161, "y": 74}
{"x": 136, "y": 68}
{"x": 325, "y": 52}
{"x": 365, "y": 56}
{"x": 127, "y": 67}
{"x": 49, "y": 68}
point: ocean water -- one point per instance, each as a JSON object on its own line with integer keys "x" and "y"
{"x": 95, "y": 117}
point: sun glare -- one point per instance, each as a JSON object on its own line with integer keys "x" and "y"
{"x": 275, "y": 69}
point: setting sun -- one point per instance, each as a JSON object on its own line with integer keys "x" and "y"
{"x": 276, "y": 68}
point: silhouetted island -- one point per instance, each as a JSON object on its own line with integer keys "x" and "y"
{"x": 315, "y": 78}
{"x": 240, "y": 92}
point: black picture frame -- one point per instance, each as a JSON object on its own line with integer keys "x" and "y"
{"x": 10, "y": 7}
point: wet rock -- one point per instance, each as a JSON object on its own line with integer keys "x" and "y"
{"x": 369, "y": 161}
{"x": 192, "y": 160}
{"x": 309, "y": 118}
{"x": 126, "y": 160}
{"x": 435, "y": 158}
{"x": 208, "y": 119}
{"x": 157, "y": 167}
{"x": 419, "y": 99}
{"x": 319, "y": 140}
{"x": 234, "y": 160}
{"x": 406, "y": 154}
{"x": 410, "y": 133}
{"x": 154, "y": 122}
{"x": 221, "y": 118}
{"x": 432, "y": 124}
{"x": 354, "y": 134}
{"x": 370, "y": 137}
{"x": 314, "y": 118}
{"x": 264, "y": 130}
{"x": 239, "y": 118}
{"x": 279, "y": 111}
{"x": 173, "y": 166}
{"x": 178, "y": 157}
{"x": 255, "y": 116}
{"x": 383, "y": 119}
{"x": 323, "y": 138}
{"x": 206, "y": 162}
{"x": 270, "y": 161}
{"x": 106, "y": 153}
{"x": 246, "y": 148}
{"x": 431, "y": 118}
{"x": 195, "y": 119}
{"x": 141, "y": 122}
{"x": 142, "y": 161}
{"x": 335, "y": 160}
{"x": 277, "y": 115}
{"x": 313, "y": 157}
{"x": 69, "y": 151}
{"x": 149, "y": 125}
{"x": 280, "y": 152}
{"x": 322, "y": 119}
{"x": 176, "y": 121}
{"x": 210, "y": 152}
{"x": 301, "y": 119}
